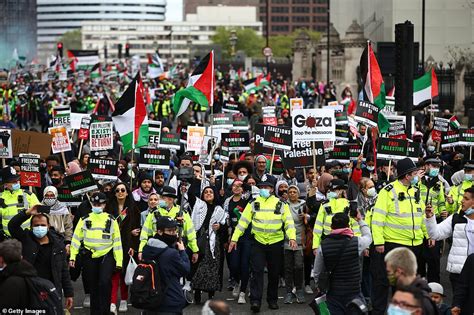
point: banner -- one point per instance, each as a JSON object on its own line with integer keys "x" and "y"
{"x": 30, "y": 170}
{"x": 313, "y": 125}
{"x": 6, "y": 147}
{"x": 278, "y": 137}
{"x": 367, "y": 114}
{"x": 466, "y": 136}
{"x": 32, "y": 142}
{"x": 170, "y": 140}
{"x": 450, "y": 139}
{"x": 194, "y": 139}
{"x": 101, "y": 136}
{"x": 240, "y": 122}
{"x": 154, "y": 159}
{"x": 391, "y": 149}
{"x": 84, "y": 128}
{"x": 269, "y": 116}
{"x": 301, "y": 155}
{"x": 103, "y": 168}
{"x": 60, "y": 142}
{"x": 154, "y": 133}
{"x": 221, "y": 121}
{"x": 397, "y": 131}
{"x": 65, "y": 197}
{"x": 80, "y": 183}
{"x": 62, "y": 116}
{"x": 413, "y": 151}
{"x": 341, "y": 153}
{"x": 236, "y": 141}
{"x": 342, "y": 133}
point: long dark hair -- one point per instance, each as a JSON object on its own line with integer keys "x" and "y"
{"x": 112, "y": 204}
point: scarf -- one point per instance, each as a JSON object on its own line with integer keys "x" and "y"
{"x": 141, "y": 195}
{"x": 344, "y": 231}
{"x": 58, "y": 208}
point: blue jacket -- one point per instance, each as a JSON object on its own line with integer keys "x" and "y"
{"x": 172, "y": 265}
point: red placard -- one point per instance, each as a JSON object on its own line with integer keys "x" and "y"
{"x": 30, "y": 179}
{"x": 83, "y": 134}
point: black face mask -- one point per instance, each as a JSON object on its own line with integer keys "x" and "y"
{"x": 56, "y": 181}
{"x": 169, "y": 240}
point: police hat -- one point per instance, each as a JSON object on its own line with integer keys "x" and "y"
{"x": 98, "y": 197}
{"x": 8, "y": 174}
{"x": 405, "y": 166}
{"x": 265, "y": 184}
{"x": 168, "y": 191}
{"x": 469, "y": 165}
{"x": 164, "y": 222}
{"x": 432, "y": 159}
{"x": 337, "y": 184}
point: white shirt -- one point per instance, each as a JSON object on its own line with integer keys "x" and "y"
{"x": 470, "y": 235}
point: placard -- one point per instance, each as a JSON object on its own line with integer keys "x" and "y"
{"x": 100, "y": 118}
{"x": 342, "y": 133}
{"x": 355, "y": 150}
{"x": 230, "y": 107}
{"x": 170, "y": 140}
{"x": 240, "y": 122}
{"x": 221, "y": 120}
{"x": 154, "y": 159}
{"x": 66, "y": 198}
{"x": 76, "y": 119}
{"x": 258, "y": 143}
{"x": 313, "y": 125}
{"x": 236, "y": 141}
{"x": 278, "y": 137}
{"x": 391, "y": 149}
{"x": 183, "y": 135}
{"x": 440, "y": 125}
{"x": 296, "y": 103}
{"x": 30, "y": 141}
{"x": 62, "y": 116}
{"x": 450, "y": 139}
{"x": 6, "y": 147}
{"x": 154, "y": 133}
{"x": 84, "y": 128}
{"x": 209, "y": 146}
{"x": 30, "y": 170}
{"x": 80, "y": 183}
{"x": 194, "y": 138}
{"x": 269, "y": 116}
{"x": 367, "y": 113}
{"x": 340, "y": 153}
{"x": 60, "y": 142}
{"x": 413, "y": 150}
{"x": 103, "y": 168}
{"x": 466, "y": 136}
{"x": 101, "y": 136}
{"x": 301, "y": 155}
{"x": 397, "y": 131}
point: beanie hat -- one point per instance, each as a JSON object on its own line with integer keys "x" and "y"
{"x": 50, "y": 189}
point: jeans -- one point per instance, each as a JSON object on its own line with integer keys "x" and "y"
{"x": 293, "y": 269}
{"x": 118, "y": 281}
{"x": 239, "y": 261}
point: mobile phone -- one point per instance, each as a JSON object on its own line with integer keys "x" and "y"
{"x": 43, "y": 209}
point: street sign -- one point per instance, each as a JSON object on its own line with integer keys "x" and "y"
{"x": 267, "y": 52}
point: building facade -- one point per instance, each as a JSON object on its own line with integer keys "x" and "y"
{"x": 190, "y": 6}
{"x": 56, "y": 17}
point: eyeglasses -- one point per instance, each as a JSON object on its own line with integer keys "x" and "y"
{"x": 122, "y": 190}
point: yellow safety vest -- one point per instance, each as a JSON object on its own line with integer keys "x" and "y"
{"x": 398, "y": 216}
{"x": 457, "y": 192}
{"x": 100, "y": 233}
{"x": 13, "y": 203}
{"x": 436, "y": 196}
{"x": 268, "y": 217}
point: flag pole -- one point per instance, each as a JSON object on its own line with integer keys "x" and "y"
{"x": 271, "y": 162}
{"x": 314, "y": 156}
{"x": 131, "y": 163}
{"x": 80, "y": 149}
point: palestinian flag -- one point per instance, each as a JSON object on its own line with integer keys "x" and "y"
{"x": 55, "y": 63}
{"x": 200, "y": 88}
{"x": 425, "y": 90}
{"x": 96, "y": 71}
{"x": 257, "y": 83}
{"x": 155, "y": 66}
{"x": 130, "y": 117}
{"x": 454, "y": 123}
{"x": 373, "y": 85}
{"x": 83, "y": 59}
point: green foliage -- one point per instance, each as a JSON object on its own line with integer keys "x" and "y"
{"x": 282, "y": 45}
{"x": 72, "y": 40}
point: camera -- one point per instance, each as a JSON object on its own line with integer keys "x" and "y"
{"x": 44, "y": 209}
{"x": 185, "y": 174}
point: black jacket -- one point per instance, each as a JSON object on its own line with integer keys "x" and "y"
{"x": 464, "y": 295}
{"x": 59, "y": 266}
{"x": 13, "y": 288}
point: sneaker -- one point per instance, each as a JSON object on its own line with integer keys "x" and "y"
{"x": 188, "y": 295}
{"x": 113, "y": 309}
{"x": 123, "y": 306}
{"x": 255, "y": 307}
{"x": 87, "y": 301}
{"x": 282, "y": 283}
{"x": 308, "y": 290}
{"x": 273, "y": 306}
{"x": 300, "y": 299}
{"x": 241, "y": 298}
{"x": 230, "y": 284}
{"x": 288, "y": 298}
{"x": 236, "y": 290}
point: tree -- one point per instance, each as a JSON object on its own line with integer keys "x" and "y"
{"x": 247, "y": 40}
{"x": 282, "y": 45}
{"x": 72, "y": 40}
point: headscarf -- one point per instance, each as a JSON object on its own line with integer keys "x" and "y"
{"x": 73, "y": 168}
{"x": 323, "y": 182}
{"x": 58, "y": 208}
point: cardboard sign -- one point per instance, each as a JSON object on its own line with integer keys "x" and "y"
{"x": 340, "y": 153}
{"x": 195, "y": 137}
{"x": 62, "y": 116}
{"x": 440, "y": 125}
{"x": 240, "y": 122}
{"x": 154, "y": 133}
{"x": 391, "y": 149}
{"x": 84, "y": 130}
{"x": 103, "y": 168}
{"x": 230, "y": 107}
{"x": 65, "y": 197}
{"x": 258, "y": 136}
{"x": 466, "y": 136}
{"x": 397, "y": 131}
{"x": 6, "y": 147}
{"x": 30, "y": 141}
{"x": 236, "y": 141}
{"x": 30, "y": 170}
{"x": 367, "y": 113}
{"x": 301, "y": 155}
{"x": 101, "y": 134}
{"x": 355, "y": 150}
{"x": 278, "y": 137}
{"x": 209, "y": 146}
{"x": 100, "y": 118}
{"x": 170, "y": 140}
{"x": 76, "y": 119}
{"x": 413, "y": 150}
{"x": 183, "y": 135}
{"x": 342, "y": 133}
{"x": 60, "y": 142}
{"x": 313, "y": 125}
{"x": 154, "y": 159}
{"x": 80, "y": 183}
{"x": 450, "y": 139}
{"x": 269, "y": 116}
{"x": 296, "y": 103}
{"x": 221, "y": 120}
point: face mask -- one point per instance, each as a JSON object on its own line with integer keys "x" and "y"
{"x": 346, "y": 170}
{"x": 255, "y": 191}
{"x": 49, "y": 201}
{"x": 129, "y": 166}
{"x": 434, "y": 172}
{"x": 217, "y": 157}
{"x": 392, "y": 279}
{"x": 431, "y": 148}
{"x": 468, "y": 177}
{"x": 395, "y": 310}
{"x": 265, "y": 193}
{"x": 16, "y": 187}
{"x": 40, "y": 231}
{"x": 370, "y": 168}
{"x": 162, "y": 204}
{"x": 332, "y": 195}
{"x": 230, "y": 181}
{"x": 469, "y": 211}
{"x": 55, "y": 181}
{"x": 414, "y": 180}
{"x": 371, "y": 192}
{"x": 97, "y": 210}
{"x": 242, "y": 177}
{"x": 168, "y": 239}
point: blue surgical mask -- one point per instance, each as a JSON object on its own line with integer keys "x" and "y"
{"x": 372, "y": 192}
{"x": 370, "y": 168}
{"x": 97, "y": 210}
{"x": 265, "y": 193}
{"x": 395, "y": 310}
{"x": 16, "y": 186}
{"x": 468, "y": 177}
{"x": 434, "y": 172}
{"x": 40, "y": 231}
{"x": 346, "y": 170}
{"x": 431, "y": 148}
{"x": 230, "y": 181}
{"x": 469, "y": 211}
{"x": 217, "y": 157}
{"x": 162, "y": 203}
{"x": 332, "y": 195}
{"x": 414, "y": 180}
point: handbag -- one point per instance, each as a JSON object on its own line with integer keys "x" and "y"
{"x": 325, "y": 277}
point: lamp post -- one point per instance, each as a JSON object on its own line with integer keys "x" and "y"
{"x": 233, "y": 41}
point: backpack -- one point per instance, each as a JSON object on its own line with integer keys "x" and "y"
{"x": 147, "y": 290}
{"x": 44, "y": 296}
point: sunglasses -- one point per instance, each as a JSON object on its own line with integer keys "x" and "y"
{"x": 122, "y": 190}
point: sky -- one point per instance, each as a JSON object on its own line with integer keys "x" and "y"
{"x": 174, "y": 10}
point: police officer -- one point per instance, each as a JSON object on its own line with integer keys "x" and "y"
{"x": 101, "y": 250}
{"x": 397, "y": 221}
{"x": 13, "y": 199}
{"x": 268, "y": 215}
{"x": 455, "y": 194}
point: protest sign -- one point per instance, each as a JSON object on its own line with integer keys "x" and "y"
{"x": 391, "y": 149}
{"x": 221, "y": 120}
{"x": 62, "y": 116}
{"x": 169, "y": 140}
{"x": 301, "y": 155}
{"x": 183, "y": 135}
{"x": 269, "y": 116}
{"x": 100, "y": 118}
{"x": 258, "y": 137}
{"x": 240, "y": 122}
{"x": 341, "y": 153}
{"x": 154, "y": 159}
{"x": 103, "y": 168}
{"x": 313, "y": 125}
{"x": 367, "y": 113}
{"x": 466, "y": 136}
{"x": 32, "y": 142}
{"x": 194, "y": 138}
{"x": 84, "y": 128}
{"x": 236, "y": 141}
{"x": 30, "y": 170}
{"x": 60, "y": 142}
{"x": 101, "y": 136}
{"x": 76, "y": 119}
{"x": 413, "y": 150}
{"x": 66, "y": 198}
{"x": 440, "y": 125}
{"x": 450, "y": 139}
{"x": 80, "y": 183}
{"x": 209, "y": 146}
{"x": 6, "y": 147}
{"x": 342, "y": 133}
{"x": 355, "y": 150}
{"x": 230, "y": 107}
{"x": 154, "y": 133}
{"x": 397, "y": 131}
{"x": 278, "y": 137}
{"x": 296, "y": 103}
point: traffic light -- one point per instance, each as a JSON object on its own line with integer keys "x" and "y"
{"x": 119, "y": 46}
{"x": 127, "y": 50}
{"x": 59, "y": 46}
{"x": 404, "y": 66}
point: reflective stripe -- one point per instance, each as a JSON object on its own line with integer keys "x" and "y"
{"x": 244, "y": 219}
{"x": 378, "y": 223}
{"x": 290, "y": 226}
{"x": 402, "y": 227}
{"x": 96, "y": 241}
{"x": 267, "y": 210}
{"x": 318, "y": 223}
{"x": 117, "y": 248}
{"x": 75, "y": 237}
{"x": 240, "y": 228}
{"x": 315, "y": 230}
{"x": 395, "y": 199}
{"x": 380, "y": 211}
{"x": 189, "y": 231}
{"x": 405, "y": 215}
{"x": 266, "y": 230}
{"x": 93, "y": 228}
{"x": 117, "y": 239}
{"x": 102, "y": 247}
{"x": 8, "y": 217}
{"x": 263, "y": 221}
{"x": 146, "y": 229}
